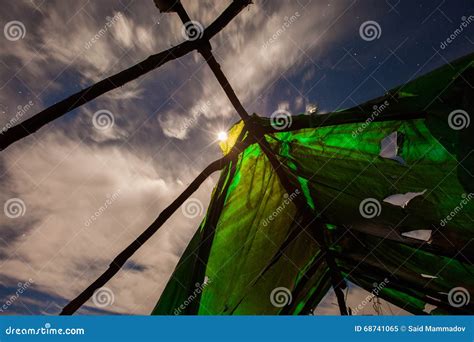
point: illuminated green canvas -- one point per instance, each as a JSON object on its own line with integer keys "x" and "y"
{"x": 235, "y": 260}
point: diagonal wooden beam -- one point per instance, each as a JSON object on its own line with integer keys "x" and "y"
{"x": 257, "y": 132}
{"x": 127, "y": 253}
{"x": 253, "y": 127}
{"x": 86, "y": 95}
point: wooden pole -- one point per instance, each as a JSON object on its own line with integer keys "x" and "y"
{"x": 86, "y": 95}
{"x": 127, "y": 253}
{"x": 258, "y": 134}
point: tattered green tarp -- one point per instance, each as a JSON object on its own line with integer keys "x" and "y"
{"x": 233, "y": 263}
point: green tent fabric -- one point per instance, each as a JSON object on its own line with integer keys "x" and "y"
{"x": 255, "y": 241}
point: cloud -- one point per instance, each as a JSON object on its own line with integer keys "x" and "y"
{"x": 67, "y": 182}
{"x": 67, "y": 171}
{"x": 253, "y": 50}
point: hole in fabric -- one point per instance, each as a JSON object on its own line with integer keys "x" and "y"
{"x": 402, "y": 199}
{"x": 420, "y": 234}
{"x": 429, "y": 307}
{"x": 390, "y": 145}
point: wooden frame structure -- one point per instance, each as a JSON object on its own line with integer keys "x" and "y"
{"x": 257, "y": 133}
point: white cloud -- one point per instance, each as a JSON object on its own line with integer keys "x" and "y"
{"x": 65, "y": 171}
{"x": 249, "y": 63}
{"x": 67, "y": 182}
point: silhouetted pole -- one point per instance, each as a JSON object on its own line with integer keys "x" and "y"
{"x": 31, "y": 125}
{"x": 127, "y": 253}
{"x": 257, "y": 132}
{"x": 121, "y": 259}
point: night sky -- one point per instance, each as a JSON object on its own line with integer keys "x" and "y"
{"x": 165, "y": 124}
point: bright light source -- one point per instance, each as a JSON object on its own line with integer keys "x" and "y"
{"x": 222, "y": 136}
